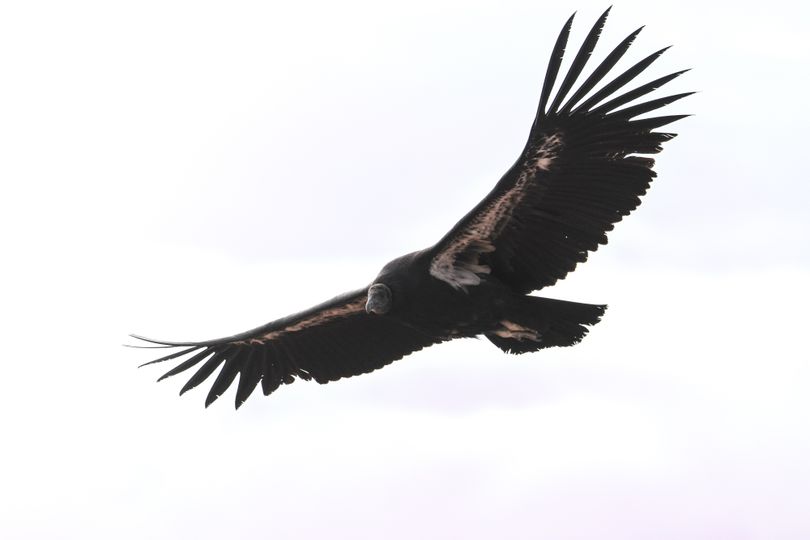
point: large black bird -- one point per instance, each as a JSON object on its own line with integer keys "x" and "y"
{"x": 579, "y": 173}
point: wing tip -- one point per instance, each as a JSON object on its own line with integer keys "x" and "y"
{"x": 162, "y": 343}
{"x": 580, "y": 59}
{"x": 186, "y": 387}
{"x": 553, "y": 68}
{"x": 634, "y": 34}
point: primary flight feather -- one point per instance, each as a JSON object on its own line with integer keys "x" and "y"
{"x": 579, "y": 173}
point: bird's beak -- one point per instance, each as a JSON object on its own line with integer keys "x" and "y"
{"x": 379, "y": 299}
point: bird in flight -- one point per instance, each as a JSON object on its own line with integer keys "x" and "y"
{"x": 581, "y": 171}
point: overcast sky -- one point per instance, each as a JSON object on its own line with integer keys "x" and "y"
{"x": 188, "y": 170}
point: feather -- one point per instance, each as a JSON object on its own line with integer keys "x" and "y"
{"x": 172, "y": 356}
{"x": 250, "y": 374}
{"x": 647, "y": 106}
{"x": 206, "y": 369}
{"x": 271, "y": 378}
{"x": 600, "y": 71}
{"x": 191, "y": 362}
{"x": 226, "y": 376}
{"x": 170, "y": 343}
{"x": 553, "y": 67}
{"x": 580, "y": 60}
{"x": 657, "y": 122}
{"x": 619, "y": 81}
{"x": 286, "y": 362}
{"x": 637, "y": 93}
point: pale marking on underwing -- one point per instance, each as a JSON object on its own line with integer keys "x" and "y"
{"x": 313, "y": 320}
{"x": 510, "y": 330}
{"x": 458, "y": 264}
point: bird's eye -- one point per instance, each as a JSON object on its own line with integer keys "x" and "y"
{"x": 379, "y": 299}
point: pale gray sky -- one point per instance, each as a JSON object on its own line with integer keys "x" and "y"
{"x": 189, "y": 170}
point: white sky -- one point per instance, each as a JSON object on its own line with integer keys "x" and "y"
{"x": 189, "y": 170}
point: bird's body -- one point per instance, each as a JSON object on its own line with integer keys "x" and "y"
{"x": 430, "y": 304}
{"x": 579, "y": 173}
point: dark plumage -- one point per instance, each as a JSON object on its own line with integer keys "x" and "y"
{"x": 579, "y": 173}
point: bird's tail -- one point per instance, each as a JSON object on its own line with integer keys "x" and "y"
{"x": 536, "y": 323}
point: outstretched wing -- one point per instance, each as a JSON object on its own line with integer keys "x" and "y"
{"x": 578, "y": 175}
{"x": 328, "y": 342}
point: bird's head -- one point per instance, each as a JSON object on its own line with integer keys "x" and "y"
{"x": 379, "y": 299}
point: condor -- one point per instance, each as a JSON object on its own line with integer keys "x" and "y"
{"x": 581, "y": 171}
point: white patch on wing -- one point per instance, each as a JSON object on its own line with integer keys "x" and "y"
{"x": 458, "y": 264}
{"x": 547, "y": 152}
{"x": 313, "y": 320}
{"x": 460, "y": 272}
{"x": 510, "y": 330}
